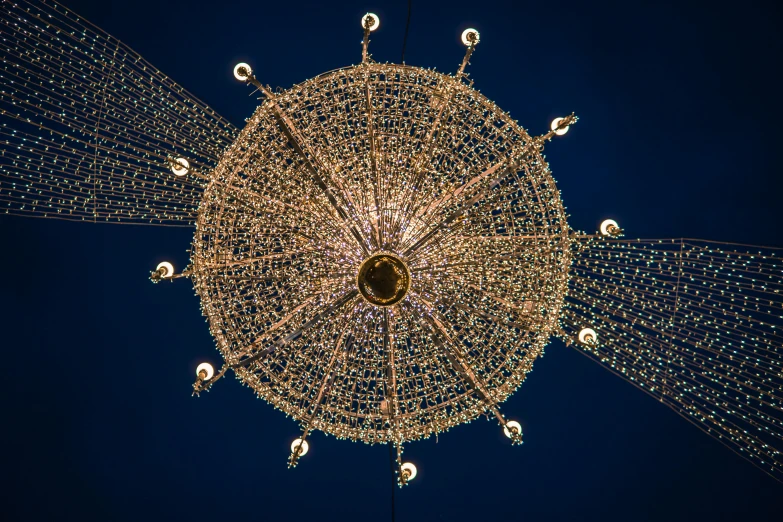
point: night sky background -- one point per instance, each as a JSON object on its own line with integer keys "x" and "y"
{"x": 679, "y": 136}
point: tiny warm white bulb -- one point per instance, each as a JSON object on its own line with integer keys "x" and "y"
{"x": 375, "y": 21}
{"x": 207, "y": 368}
{"x": 240, "y": 74}
{"x": 180, "y": 167}
{"x": 554, "y": 125}
{"x": 295, "y": 444}
{"x": 512, "y": 425}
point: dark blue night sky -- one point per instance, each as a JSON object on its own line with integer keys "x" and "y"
{"x": 679, "y": 136}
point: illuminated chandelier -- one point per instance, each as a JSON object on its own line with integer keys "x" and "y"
{"x": 382, "y": 253}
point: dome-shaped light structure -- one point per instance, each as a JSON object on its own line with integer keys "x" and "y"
{"x": 165, "y": 269}
{"x": 180, "y": 167}
{"x": 470, "y": 37}
{"x": 555, "y": 124}
{"x": 411, "y": 234}
{"x": 408, "y": 471}
{"x": 510, "y": 427}
{"x": 205, "y": 371}
{"x": 301, "y": 446}
{"x": 242, "y": 71}
{"x": 609, "y": 227}
{"x": 372, "y": 19}
{"x": 588, "y": 336}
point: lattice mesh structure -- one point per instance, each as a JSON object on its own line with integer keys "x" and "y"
{"x": 89, "y": 127}
{"x": 695, "y": 324}
{"x": 415, "y": 163}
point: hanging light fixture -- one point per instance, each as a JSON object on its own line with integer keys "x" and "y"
{"x": 382, "y": 252}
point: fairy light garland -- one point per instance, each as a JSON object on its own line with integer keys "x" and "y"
{"x": 90, "y": 129}
{"x": 697, "y": 325}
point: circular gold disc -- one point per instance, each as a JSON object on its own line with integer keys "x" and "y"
{"x": 383, "y": 279}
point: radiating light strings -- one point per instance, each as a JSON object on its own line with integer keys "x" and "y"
{"x": 89, "y": 127}
{"x": 695, "y": 324}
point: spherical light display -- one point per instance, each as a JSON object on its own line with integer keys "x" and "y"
{"x": 609, "y": 227}
{"x": 242, "y": 71}
{"x": 300, "y": 445}
{"x": 587, "y": 335}
{"x": 168, "y": 269}
{"x": 555, "y": 124}
{"x": 395, "y": 266}
{"x": 180, "y": 167}
{"x": 208, "y": 370}
{"x": 372, "y": 19}
{"x": 409, "y": 470}
{"x": 470, "y": 37}
{"x": 510, "y": 426}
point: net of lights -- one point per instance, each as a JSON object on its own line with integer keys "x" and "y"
{"x": 381, "y": 252}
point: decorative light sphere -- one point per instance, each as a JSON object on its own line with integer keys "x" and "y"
{"x": 375, "y": 21}
{"x": 207, "y": 368}
{"x": 411, "y": 469}
{"x": 305, "y": 447}
{"x": 180, "y": 167}
{"x": 240, "y": 74}
{"x": 465, "y": 36}
{"x": 168, "y": 269}
{"x": 587, "y": 335}
{"x": 607, "y": 225}
{"x": 277, "y": 260}
{"x": 509, "y": 425}
{"x": 554, "y": 125}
